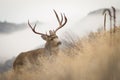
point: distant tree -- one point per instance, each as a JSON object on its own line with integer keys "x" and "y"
{"x": 114, "y": 17}
{"x": 105, "y": 22}
{"x": 109, "y": 13}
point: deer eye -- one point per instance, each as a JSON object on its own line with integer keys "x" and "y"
{"x": 52, "y": 39}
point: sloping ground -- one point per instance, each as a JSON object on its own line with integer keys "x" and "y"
{"x": 94, "y": 57}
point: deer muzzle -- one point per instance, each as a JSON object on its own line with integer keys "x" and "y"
{"x": 59, "y": 43}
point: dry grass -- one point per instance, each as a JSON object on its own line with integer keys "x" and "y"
{"x": 96, "y": 57}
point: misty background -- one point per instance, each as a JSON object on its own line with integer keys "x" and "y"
{"x": 17, "y": 37}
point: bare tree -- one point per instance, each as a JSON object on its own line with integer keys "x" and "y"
{"x": 114, "y": 17}
{"x": 109, "y": 13}
{"x": 51, "y": 45}
{"x": 105, "y": 22}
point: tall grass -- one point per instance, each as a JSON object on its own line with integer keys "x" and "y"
{"x": 94, "y": 57}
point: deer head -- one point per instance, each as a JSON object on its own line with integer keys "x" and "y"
{"x": 51, "y": 38}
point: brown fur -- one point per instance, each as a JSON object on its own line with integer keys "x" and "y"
{"x": 51, "y": 48}
{"x": 31, "y": 56}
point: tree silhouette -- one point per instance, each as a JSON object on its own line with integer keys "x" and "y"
{"x": 114, "y": 18}
{"x": 109, "y": 13}
{"x": 105, "y": 22}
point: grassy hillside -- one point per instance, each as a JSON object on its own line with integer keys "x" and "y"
{"x": 94, "y": 57}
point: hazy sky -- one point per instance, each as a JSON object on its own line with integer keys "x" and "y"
{"x": 19, "y": 11}
{"x": 22, "y": 10}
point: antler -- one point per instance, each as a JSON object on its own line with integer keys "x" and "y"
{"x": 61, "y": 23}
{"x": 33, "y": 29}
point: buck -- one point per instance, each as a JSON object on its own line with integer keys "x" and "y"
{"x": 51, "y": 46}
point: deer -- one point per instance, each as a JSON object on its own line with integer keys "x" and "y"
{"x": 51, "y": 46}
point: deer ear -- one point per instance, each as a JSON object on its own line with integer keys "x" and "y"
{"x": 44, "y": 37}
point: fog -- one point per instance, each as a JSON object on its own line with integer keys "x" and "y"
{"x": 19, "y": 11}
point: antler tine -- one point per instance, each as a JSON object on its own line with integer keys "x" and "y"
{"x": 57, "y": 16}
{"x": 65, "y": 20}
{"x": 61, "y": 18}
{"x": 33, "y": 29}
{"x": 61, "y": 24}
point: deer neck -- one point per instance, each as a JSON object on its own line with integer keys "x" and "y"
{"x": 51, "y": 50}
